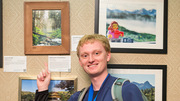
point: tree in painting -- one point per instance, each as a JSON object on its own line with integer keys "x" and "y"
{"x": 46, "y": 27}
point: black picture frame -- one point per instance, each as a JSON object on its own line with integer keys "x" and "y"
{"x": 143, "y": 72}
{"x": 1, "y": 35}
{"x": 128, "y": 49}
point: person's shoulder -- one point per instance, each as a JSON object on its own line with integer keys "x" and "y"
{"x": 130, "y": 86}
{"x": 75, "y": 96}
{"x": 112, "y": 77}
{"x": 110, "y": 80}
{"x": 131, "y": 92}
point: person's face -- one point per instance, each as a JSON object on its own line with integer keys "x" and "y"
{"x": 115, "y": 26}
{"x": 93, "y": 58}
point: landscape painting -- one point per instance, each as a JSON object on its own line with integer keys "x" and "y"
{"x": 46, "y": 27}
{"x": 145, "y": 82}
{"x": 150, "y": 79}
{"x": 131, "y": 23}
{"x": 59, "y": 90}
{"x": 133, "y": 26}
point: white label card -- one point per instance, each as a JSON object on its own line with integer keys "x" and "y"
{"x": 59, "y": 63}
{"x": 74, "y": 41}
{"x": 15, "y": 64}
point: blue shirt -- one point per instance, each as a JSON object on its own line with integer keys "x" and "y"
{"x": 130, "y": 92}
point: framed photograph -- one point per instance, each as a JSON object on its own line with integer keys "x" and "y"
{"x": 60, "y": 89}
{"x": 46, "y": 28}
{"x": 150, "y": 79}
{"x": 133, "y": 26}
{"x": 1, "y": 35}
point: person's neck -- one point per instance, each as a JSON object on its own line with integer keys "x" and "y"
{"x": 97, "y": 81}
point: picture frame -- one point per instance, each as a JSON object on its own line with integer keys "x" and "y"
{"x": 1, "y": 34}
{"x": 60, "y": 89}
{"x": 141, "y": 25}
{"x": 47, "y": 27}
{"x": 145, "y": 77}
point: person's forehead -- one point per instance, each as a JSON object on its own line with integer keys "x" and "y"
{"x": 92, "y": 45}
{"x": 92, "y": 42}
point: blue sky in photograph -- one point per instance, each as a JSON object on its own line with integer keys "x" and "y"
{"x": 53, "y": 83}
{"x": 131, "y": 7}
{"x": 140, "y": 78}
{"x": 31, "y": 85}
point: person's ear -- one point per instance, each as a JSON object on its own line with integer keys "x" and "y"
{"x": 108, "y": 56}
{"x": 80, "y": 62}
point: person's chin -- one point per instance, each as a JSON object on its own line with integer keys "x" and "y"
{"x": 93, "y": 73}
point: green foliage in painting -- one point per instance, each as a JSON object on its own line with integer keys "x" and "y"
{"x": 37, "y": 36}
{"x": 56, "y": 34}
{"x": 149, "y": 93}
{"x": 27, "y": 96}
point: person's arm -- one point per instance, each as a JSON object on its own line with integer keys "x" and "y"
{"x": 131, "y": 92}
{"x": 41, "y": 96}
{"x": 43, "y": 81}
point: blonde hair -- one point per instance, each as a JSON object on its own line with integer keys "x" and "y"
{"x": 92, "y": 38}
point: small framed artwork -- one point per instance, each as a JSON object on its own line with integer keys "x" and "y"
{"x": 133, "y": 26}
{"x": 46, "y": 28}
{"x": 60, "y": 89}
{"x": 1, "y": 37}
{"x": 150, "y": 79}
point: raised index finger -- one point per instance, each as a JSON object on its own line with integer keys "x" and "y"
{"x": 46, "y": 69}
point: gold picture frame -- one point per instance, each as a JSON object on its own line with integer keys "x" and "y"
{"x": 60, "y": 88}
{"x": 29, "y": 20}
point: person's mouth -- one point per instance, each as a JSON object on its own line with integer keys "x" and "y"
{"x": 92, "y": 65}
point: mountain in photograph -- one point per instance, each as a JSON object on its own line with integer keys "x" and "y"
{"x": 140, "y": 14}
{"x": 143, "y": 86}
{"x": 142, "y": 11}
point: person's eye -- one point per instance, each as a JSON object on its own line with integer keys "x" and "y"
{"x": 96, "y": 53}
{"x": 85, "y": 55}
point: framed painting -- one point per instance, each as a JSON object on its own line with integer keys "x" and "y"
{"x": 46, "y": 28}
{"x": 1, "y": 35}
{"x": 60, "y": 89}
{"x": 133, "y": 26}
{"x": 150, "y": 79}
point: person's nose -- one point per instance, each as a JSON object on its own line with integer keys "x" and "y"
{"x": 91, "y": 59}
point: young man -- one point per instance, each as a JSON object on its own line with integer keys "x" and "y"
{"x": 93, "y": 52}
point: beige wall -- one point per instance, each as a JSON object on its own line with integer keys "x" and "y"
{"x": 82, "y": 22}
